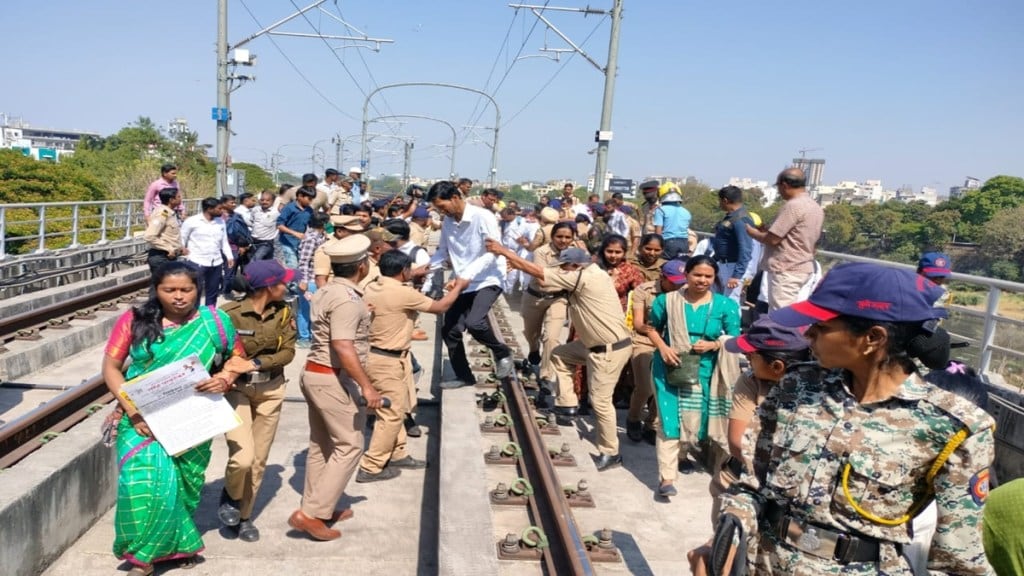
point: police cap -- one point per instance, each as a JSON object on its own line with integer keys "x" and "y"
{"x": 347, "y": 250}
{"x": 348, "y": 222}
{"x": 380, "y": 233}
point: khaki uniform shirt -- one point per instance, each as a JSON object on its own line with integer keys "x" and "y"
{"x": 747, "y": 395}
{"x": 372, "y": 273}
{"x": 652, "y": 272}
{"x": 643, "y": 295}
{"x": 321, "y": 261}
{"x": 395, "y": 307}
{"x": 267, "y": 337}
{"x": 417, "y": 234}
{"x": 545, "y": 257}
{"x": 798, "y": 224}
{"x": 646, "y": 213}
{"x": 164, "y": 230}
{"x": 594, "y": 308}
{"x": 339, "y": 313}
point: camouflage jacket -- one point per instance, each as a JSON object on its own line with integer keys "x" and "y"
{"x": 814, "y": 432}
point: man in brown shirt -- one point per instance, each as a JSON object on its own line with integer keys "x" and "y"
{"x": 164, "y": 230}
{"x": 395, "y": 307}
{"x": 336, "y": 389}
{"x": 789, "y": 243}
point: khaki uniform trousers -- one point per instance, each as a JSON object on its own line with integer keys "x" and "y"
{"x": 643, "y": 384}
{"x": 670, "y": 450}
{"x": 258, "y": 406}
{"x": 603, "y": 369}
{"x": 392, "y": 378}
{"x": 784, "y": 287}
{"x": 543, "y": 321}
{"x": 335, "y": 440}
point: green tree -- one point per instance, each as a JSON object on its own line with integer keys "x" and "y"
{"x": 1002, "y": 237}
{"x": 997, "y": 194}
{"x": 840, "y": 229}
{"x": 256, "y": 178}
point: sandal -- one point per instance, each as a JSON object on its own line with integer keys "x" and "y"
{"x": 141, "y": 570}
{"x": 189, "y": 563}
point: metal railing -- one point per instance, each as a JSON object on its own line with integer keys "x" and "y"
{"x": 42, "y": 227}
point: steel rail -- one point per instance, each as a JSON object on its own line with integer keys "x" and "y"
{"x": 41, "y": 317}
{"x": 32, "y": 431}
{"x": 566, "y": 553}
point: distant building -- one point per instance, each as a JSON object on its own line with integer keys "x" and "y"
{"x": 39, "y": 143}
{"x": 814, "y": 169}
{"x": 747, "y": 183}
{"x": 970, "y": 183}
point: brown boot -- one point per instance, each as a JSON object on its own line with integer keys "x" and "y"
{"x": 339, "y": 516}
{"x": 312, "y": 526}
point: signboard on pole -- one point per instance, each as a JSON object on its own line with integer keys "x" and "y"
{"x": 621, "y": 185}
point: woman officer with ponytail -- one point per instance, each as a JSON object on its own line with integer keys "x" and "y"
{"x": 847, "y": 456}
{"x": 266, "y": 329}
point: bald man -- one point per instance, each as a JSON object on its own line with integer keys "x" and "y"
{"x": 790, "y": 241}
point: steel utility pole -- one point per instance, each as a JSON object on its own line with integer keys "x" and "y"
{"x": 337, "y": 151}
{"x": 604, "y": 133}
{"x": 225, "y": 78}
{"x": 223, "y": 94}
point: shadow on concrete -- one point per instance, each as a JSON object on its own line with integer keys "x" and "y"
{"x": 429, "y": 512}
{"x": 632, "y": 557}
{"x": 298, "y": 479}
{"x": 272, "y": 481}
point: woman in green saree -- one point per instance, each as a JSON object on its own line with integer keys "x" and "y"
{"x": 158, "y": 493}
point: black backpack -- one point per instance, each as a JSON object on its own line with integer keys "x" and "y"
{"x": 238, "y": 231}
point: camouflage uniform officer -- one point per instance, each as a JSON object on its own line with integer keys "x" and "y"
{"x": 848, "y": 456}
{"x": 333, "y": 383}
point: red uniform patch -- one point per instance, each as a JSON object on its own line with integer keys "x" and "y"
{"x": 979, "y": 487}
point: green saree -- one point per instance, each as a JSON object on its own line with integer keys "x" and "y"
{"x": 157, "y": 493}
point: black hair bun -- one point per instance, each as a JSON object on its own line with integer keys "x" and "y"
{"x": 931, "y": 349}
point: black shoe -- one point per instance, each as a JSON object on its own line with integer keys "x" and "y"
{"x": 635, "y": 430}
{"x": 386, "y": 474}
{"x": 228, "y": 512}
{"x": 533, "y": 358}
{"x": 408, "y": 462}
{"x": 565, "y": 415}
{"x": 248, "y": 532}
{"x": 605, "y": 462}
{"x": 412, "y": 430}
{"x": 667, "y": 491}
{"x": 687, "y": 467}
{"x": 651, "y": 436}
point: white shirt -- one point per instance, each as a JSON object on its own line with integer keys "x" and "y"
{"x": 264, "y": 223}
{"x": 206, "y": 240}
{"x": 245, "y": 213}
{"x": 419, "y": 257}
{"x": 462, "y": 244}
{"x": 582, "y": 208}
{"x": 529, "y": 231}
{"x": 618, "y": 225}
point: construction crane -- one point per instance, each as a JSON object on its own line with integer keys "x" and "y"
{"x": 803, "y": 152}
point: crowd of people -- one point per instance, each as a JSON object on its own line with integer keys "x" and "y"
{"x": 829, "y": 416}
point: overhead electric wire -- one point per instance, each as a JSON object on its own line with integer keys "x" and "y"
{"x": 555, "y": 75}
{"x": 502, "y": 47}
{"x": 338, "y": 58}
{"x": 296, "y": 68}
{"x": 508, "y": 69}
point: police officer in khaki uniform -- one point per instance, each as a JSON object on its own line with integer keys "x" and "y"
{"x": 380, "y": 242}
{"x": 545, "y": 310}
{"x": 334, "y": 384}
{"x": 266, "y": 329}
{"x": 344, "y": 226}
{"x": 395, "y": 307}
{"x": 604, "y": 344}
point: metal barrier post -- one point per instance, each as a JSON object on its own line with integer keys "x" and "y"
{"x": 103, "y": 225}
{"x": 128, "y": 222}
{"x": 3, "y": 233}
{"x": 991, "y": 310}
{"x": 74, "y": 227}
{"x": 42, "y": 230}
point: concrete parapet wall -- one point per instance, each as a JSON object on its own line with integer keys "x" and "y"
{"x": 43, "y": 298}
{"x": 31, "y": 273}
{"x": 23, "y": 358}
{"x": 466, "y": 545}
{"x": 53, "y": 496}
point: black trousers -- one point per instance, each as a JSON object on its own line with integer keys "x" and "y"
{"x": 469, "y": 314}
{"x": 155, "y": 259}
{"x": 262, "y": 250}
{"x": 676, "y": 249}
{"x": 212, "y": 276}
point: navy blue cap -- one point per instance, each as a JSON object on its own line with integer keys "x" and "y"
{"x": 935, "y": 265}
{"x": 556, "y": 204}
{"x": 866, "y": 291}
{"x": 764, "y": 335}
{"x": 674, "y": 271}
{"x": 264, "y": 273}
{"x": 598, "y": 209}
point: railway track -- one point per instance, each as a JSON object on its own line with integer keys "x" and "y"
{"x": 555, "y": 538}
{"x": 28, "y": 433}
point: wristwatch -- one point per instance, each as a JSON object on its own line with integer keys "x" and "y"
{"x": 256, "y": 362}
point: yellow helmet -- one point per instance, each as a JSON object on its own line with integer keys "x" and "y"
{"x": 669, "y": 192}
{"x": 755, "y": 218}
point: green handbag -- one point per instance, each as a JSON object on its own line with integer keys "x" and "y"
{"x": 687, "y": 373}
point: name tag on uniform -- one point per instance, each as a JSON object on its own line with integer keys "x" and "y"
{"x": 259, "y": 377}
{"x": 246, "y": 332}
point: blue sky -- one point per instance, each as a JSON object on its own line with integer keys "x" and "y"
{"x": 912, "y": 92}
